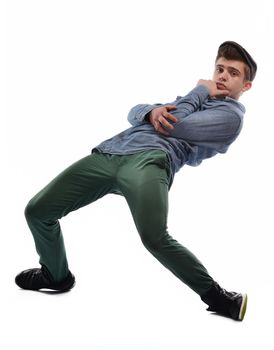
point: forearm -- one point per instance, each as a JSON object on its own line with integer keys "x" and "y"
{"x": 192, "y": 102}
{"x": 185, "y": 106}
{"x": 208, "y": 127}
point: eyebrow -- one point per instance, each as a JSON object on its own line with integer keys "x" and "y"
{"x": 229, "y": 67}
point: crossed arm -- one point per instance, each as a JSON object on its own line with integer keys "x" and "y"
{"x": 184, "y": 119}
{"x": 159, "y": 117}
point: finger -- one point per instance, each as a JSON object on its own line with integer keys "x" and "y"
{"x": 158, "y": 127}
{"x": 165, "y": 123}
{"x": 170, "y": 107}
{"x": 222, "y": 92}
{"x": 170, "y": 116}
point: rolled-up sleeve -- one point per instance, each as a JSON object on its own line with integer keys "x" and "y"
{"x": 136, "y": 115}
{"x": 208, "y": 127}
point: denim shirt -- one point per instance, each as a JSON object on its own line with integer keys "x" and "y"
{"x": 206, "y": 126}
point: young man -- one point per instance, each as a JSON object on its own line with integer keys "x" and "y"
{"x": 140, "y": 163}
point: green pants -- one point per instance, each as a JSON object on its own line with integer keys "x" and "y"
{"x": 143, "y": 179}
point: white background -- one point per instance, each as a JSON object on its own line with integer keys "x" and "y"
{"x": 72, "y": 71}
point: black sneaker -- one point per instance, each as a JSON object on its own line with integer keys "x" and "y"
{"x": 229, "y": 304}
{"x": 36, "y": 279}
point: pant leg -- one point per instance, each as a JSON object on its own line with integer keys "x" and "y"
{"x": 144, "y": 181}
{"x": 80, "y": 184}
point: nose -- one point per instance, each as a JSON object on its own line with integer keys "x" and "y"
{"x": 223, "y": 76}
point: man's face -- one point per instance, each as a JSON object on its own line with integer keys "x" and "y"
{"x": 229, "y": 75}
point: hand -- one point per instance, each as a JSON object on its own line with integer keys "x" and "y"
{"x": 159, "y": 117}
{"x": 213, "y": 88}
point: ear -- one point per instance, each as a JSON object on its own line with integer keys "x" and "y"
{"x": 247, "y": 86}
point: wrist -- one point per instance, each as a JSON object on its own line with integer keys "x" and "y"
{"x": 202, "y": 90}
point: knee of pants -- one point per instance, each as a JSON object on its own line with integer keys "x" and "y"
{"x": 34, "y": 209}
{"x": 153, "y": 239}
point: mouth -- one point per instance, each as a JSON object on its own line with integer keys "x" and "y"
{"x": 221, "y": 86}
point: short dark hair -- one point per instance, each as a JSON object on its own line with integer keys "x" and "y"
{"x": 231, "y": 53}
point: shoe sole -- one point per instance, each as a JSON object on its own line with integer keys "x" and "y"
{"x": 243, "y": 307}
{"x": 64, "y": 289}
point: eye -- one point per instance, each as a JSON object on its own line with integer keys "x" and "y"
{"x": 219, "y": 70}
{"x": 234, "y": 73}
